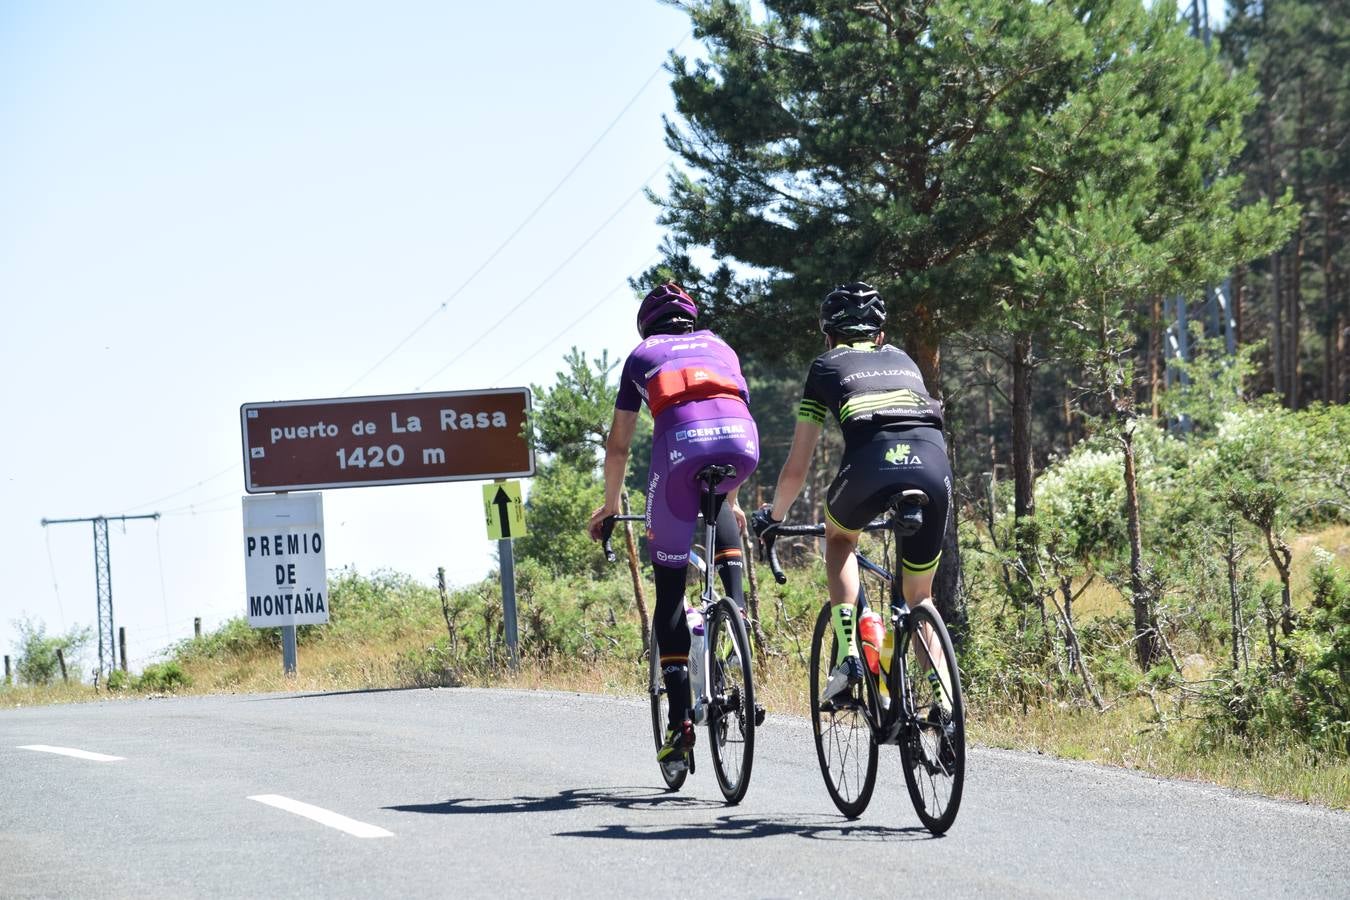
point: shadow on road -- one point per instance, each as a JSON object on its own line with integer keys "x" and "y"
{"x": 745, "y": 826}
{"x": 313, "y": 694}
{"x": 576, "y": 798}
{"x": 742, "y": 826}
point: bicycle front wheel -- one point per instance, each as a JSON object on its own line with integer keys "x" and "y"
{"x": 845, "y": 748}
{"x": 657, "y": 688}
{"x": 933, "y": 747}
{"x": 731, "y": 723}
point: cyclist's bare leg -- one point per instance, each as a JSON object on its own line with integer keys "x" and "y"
{"x": 841, "y": 569}
{"x": 919, "y": 589}
{"x": 841, "y": 566}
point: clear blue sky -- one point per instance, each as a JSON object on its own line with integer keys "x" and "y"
{"x": 203, "y": 205}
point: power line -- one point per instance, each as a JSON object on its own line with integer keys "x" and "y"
{"x": 573, "y": 324}
{"x": 56, "y": 588}
{"x": 232, "y": 468}
{"x": 519, "y": 228}
{"x": 458, "y": 290}
{"x": 539, "y": 287}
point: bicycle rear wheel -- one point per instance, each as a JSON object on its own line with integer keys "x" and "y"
{"x": 845, "y": 748}
{"x": 731, "y": 720}
{"x": 933, "y": 747}
{"x": 657, "y": 688}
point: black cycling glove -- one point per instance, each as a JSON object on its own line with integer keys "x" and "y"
{"x": 763, "y": 522}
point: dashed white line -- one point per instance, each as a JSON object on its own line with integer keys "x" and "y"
{"x": 323, "y": 816}
{"x": 71, "y": 751}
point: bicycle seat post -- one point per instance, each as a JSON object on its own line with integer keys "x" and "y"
{"x": 711, "y": 476}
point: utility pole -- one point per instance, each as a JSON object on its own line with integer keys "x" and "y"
{"x": 107, "y": 649}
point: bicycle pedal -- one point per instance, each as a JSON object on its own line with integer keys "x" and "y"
{"x": 759, "y": 715}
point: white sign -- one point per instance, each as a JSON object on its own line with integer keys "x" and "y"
{"x": 284, "y": 568}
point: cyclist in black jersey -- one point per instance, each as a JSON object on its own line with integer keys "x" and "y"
{"x": 893, "y": 441}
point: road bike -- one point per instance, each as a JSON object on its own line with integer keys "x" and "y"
{"x": 724, "y": 697}
{"x": 910, "y": 694}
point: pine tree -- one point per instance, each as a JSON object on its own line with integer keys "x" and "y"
{"x": 920, "y": 145}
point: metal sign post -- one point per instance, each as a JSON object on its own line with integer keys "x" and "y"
{"x": 508, "y": 563}
{"x": 504, "y": 515}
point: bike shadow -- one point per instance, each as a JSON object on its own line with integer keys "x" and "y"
{"x": 748, "y": 827}
{"x": 742, "y": 826}
{"x": 633, "y": 798}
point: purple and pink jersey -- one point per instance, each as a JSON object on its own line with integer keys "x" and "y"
{"x": 698, "y": 397}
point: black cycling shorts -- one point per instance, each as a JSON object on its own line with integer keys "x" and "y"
{"x": 875, "y": 470}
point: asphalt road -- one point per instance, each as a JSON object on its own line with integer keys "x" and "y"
{"x": 485, "y": 792}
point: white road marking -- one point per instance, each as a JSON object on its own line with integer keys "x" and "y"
{"x": 71, "y": 751}
{"x": 323, "y": 816}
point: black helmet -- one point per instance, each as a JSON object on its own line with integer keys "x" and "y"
{"x": 853, "y": 310}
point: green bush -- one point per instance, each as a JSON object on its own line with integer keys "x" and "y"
{"x": 118, "y": 680}
{"x": 562, "y": 497}
{"x": 162, "y": 677}
{"x": 1307, "y": 697}
{"x": 37, "y": 661}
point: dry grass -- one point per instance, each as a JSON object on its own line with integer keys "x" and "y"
{"x": 16, "y": 696}
{"x": 1115, "y": 738}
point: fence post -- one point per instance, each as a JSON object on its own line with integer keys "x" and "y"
{"x": 197, "y": 627}
{"x": 122, "y": 644}
{"x": 61, "y": 658}
{"x": 6, "y": 668}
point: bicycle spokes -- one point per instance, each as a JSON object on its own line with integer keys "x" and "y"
{"x": 731, "y": 723}
{"x": 845, "y": 748}
{"x": 932, "y": 747}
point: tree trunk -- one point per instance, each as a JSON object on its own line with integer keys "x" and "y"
{"x": 1281, "y": 556}
{"x": 1145, "y": 631}
{"x": 752, "y": 589}
{"x": 1155, "y": 356}
{"x": 948, "y": 585}
{"x": 1024, "y": 498}
{"x": 639, "y": 596}
{"x": 1296, "y": 275}
{"x": 1234, "y": 606}
{"x": 1328, "y": 292}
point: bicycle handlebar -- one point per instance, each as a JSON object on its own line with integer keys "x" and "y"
{"x": 607, "y": 528}
{"x": 770, "y": 547}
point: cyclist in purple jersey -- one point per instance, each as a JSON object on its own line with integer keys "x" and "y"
{"x": 692, "y": 383}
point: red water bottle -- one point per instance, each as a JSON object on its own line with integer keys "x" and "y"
{"x": 872, "y": 632}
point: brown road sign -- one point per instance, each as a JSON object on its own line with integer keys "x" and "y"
{"x": 398, "y": 439}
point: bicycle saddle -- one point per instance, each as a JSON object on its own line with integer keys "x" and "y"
{"x": 908, "y": 510}
{"x": 720, "y": 472}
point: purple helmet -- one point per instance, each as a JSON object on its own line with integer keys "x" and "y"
{"x": 669, "y": 301}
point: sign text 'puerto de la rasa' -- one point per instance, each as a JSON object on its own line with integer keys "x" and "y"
{"x": 284, "y": 569}
{"x": 396, "y": 439}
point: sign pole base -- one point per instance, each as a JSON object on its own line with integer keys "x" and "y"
{"x": 508, "y": 563}
{"x": 288, "y": 650}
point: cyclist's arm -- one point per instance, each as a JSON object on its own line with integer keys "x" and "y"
{"x": 736, "y": 508}
{"x": 616, "y": 455}
{"x": 798, "y": 464}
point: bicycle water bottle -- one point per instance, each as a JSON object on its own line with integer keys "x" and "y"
{"x": 870, "y": 632}
{"x": 695, "y": 620}
{"x": 887, "y": 651}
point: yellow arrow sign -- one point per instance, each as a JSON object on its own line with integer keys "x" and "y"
{"x": 503, "y": 510}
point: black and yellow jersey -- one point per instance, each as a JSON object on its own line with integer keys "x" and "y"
{"x": 867, "y": 388}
